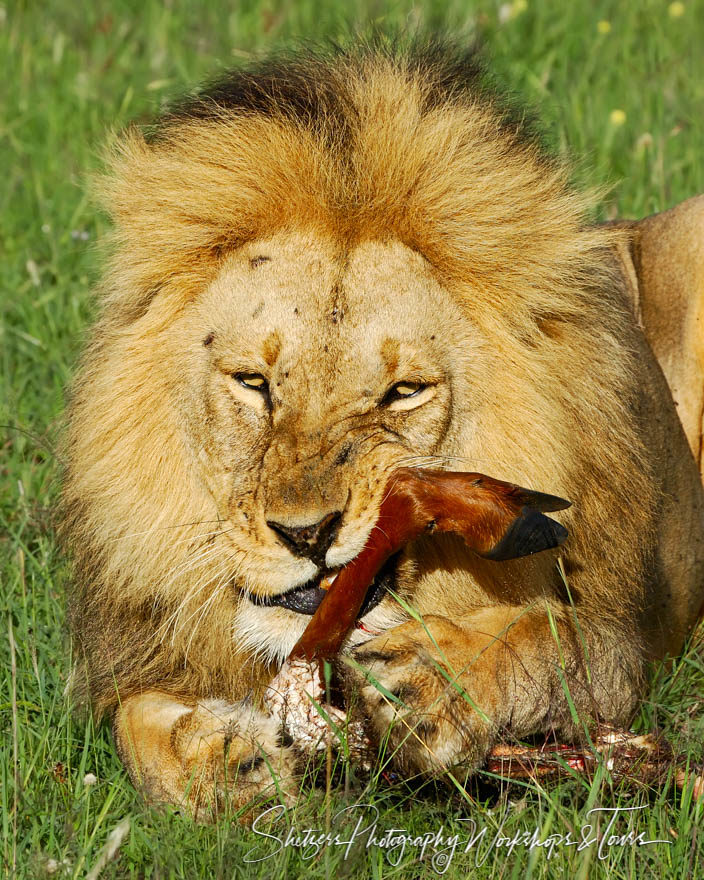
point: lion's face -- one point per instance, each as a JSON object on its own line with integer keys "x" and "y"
{"x": 312, "y": 372}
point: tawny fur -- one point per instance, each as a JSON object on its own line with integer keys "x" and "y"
{"x": 417, "y": 190}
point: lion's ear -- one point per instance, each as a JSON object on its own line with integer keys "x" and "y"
{"x": 663, "y": 271}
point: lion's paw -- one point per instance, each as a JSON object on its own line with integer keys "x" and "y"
{"x": 208, "y": 757}
{"x": 413, "y": 704}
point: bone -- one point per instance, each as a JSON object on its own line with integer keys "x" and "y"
{"x": 636, "y": 759}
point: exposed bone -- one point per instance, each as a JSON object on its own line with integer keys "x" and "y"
{"x": 292, "y": 696}
{"x": 636, "y": 758}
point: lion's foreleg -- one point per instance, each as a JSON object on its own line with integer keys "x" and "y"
{"x": 206, "y": 755}
{"x": 441, "y": 692}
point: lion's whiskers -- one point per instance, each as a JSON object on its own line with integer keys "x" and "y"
{"x": 185, "y": 568}
{"x": 450, "y": 462}
{"x": 228, "y": 570}
{"x": 154, "y": 528}
{"x": 200, "y": 554}
{"x": 224, "y": 580}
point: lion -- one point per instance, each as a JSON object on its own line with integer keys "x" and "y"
{"x": 325, "y": 267}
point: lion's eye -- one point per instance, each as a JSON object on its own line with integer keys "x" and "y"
{"x": 255, "y": 381}
{"x": 407, "y": 389}
{"x": 408, "y": 395}
{"x": 402, "y": 391}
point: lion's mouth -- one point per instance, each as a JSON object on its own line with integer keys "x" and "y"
{"x": 306, "y": 598}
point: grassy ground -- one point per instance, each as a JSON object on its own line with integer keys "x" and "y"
{"x": 619, "y": 85}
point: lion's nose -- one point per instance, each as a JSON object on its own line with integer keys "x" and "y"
{"x": 312, "y": 541}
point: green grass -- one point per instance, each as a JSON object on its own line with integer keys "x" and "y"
{"x": 73, "y": 72}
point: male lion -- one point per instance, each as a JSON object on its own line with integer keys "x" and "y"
{"x": 326, "y": 268}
